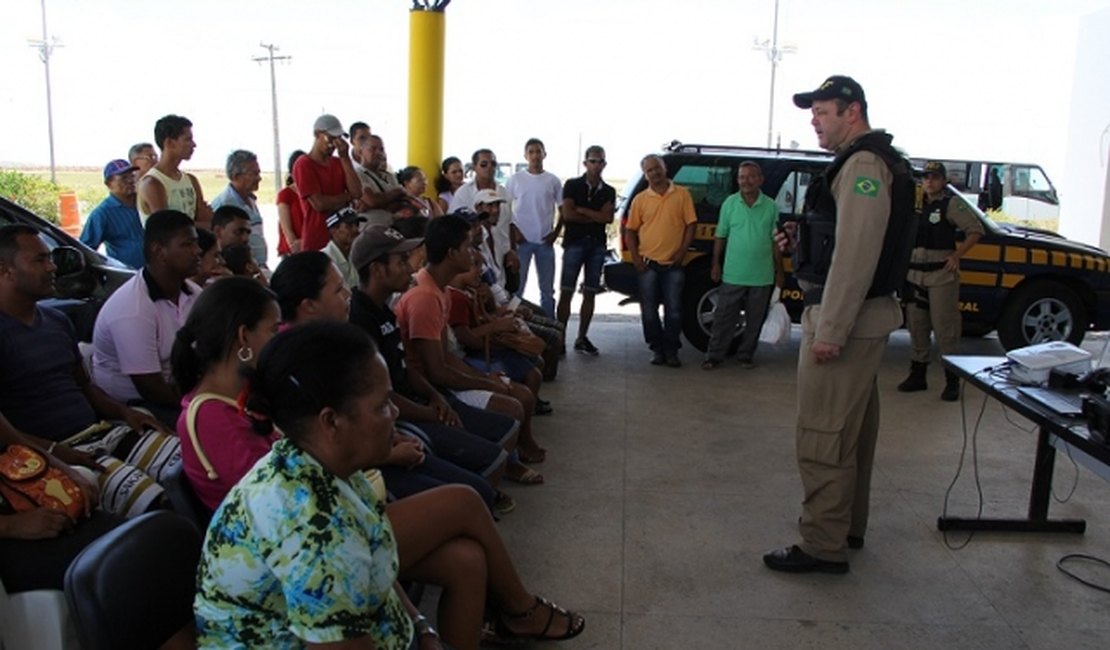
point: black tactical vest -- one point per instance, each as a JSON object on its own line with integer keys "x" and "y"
{"x": 934, "y": 231}
{"x": 817, "y": 229}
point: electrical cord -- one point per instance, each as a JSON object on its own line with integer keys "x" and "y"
{"x": 1088, "y": 558}
{"x": 960, "y": 466}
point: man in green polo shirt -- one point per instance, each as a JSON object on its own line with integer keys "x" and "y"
{"x": 752, "y": 267}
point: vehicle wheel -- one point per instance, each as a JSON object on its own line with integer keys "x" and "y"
{"x": 699, "y": 299}
{"x": 1042, "y": 312}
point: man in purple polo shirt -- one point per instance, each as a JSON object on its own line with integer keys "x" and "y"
{"x": 115, "y": 222}
{"x": 135, "y": 329}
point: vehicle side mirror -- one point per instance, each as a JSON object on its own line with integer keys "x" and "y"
{"x": 69, "y": 261}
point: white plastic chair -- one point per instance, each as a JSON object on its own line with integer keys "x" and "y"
{"x": 36, "y": 620}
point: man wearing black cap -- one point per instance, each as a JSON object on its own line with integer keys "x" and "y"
{"x": 934, "y": 279}
{"x": 115, "y": 222}
{"x": 343, "y": 227}
{"x": 851, "y": 255}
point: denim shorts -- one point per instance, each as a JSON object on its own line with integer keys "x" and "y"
{"x": 588, "y": 252}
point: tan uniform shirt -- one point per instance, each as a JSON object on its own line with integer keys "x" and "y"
{"x": 862, "y": 189}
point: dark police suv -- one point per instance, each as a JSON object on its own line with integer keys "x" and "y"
{"x": 1031, "y": 285}
{"x": 84, "y": 278}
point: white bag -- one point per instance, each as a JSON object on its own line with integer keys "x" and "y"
{"x": 776, "y": 327}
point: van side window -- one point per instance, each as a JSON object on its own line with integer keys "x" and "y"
{"x": 792, "y": 193}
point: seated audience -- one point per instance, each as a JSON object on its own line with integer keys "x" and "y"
{"x": 343, "y": 227}
{"x": 212, "y": 265}
{"x": 477, "y": 335}
{"x": 232, "y": 226}
{"x": 415, "y": 183}
{"x": 422, "y": 313}
{"x": 240, "y": 262}
{"x": 135, "y": 329}
{"x": 226, "y": 330}
{"x": 37, "y": 546}
{"x": 115, "y": 222}
{"x": 306, "y": 285}
{"x": 46, "y": 396}
{"x": 306, "y": 521}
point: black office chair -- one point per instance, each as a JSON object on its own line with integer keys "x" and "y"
{"x": 183, "y": 499}
{"x": 133, "y": 588}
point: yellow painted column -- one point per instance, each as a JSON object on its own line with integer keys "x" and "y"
{"x": 427, "y": 29}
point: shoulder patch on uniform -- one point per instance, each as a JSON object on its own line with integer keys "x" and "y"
{"x": 867, "y": 186}
{"x": 960, "y": 207}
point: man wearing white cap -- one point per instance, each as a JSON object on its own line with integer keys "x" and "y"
{"x": 326, "y": 182}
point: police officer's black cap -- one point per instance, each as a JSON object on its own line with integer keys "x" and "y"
{"x": 935, "y": 167}
{"x": 835, "y": 87}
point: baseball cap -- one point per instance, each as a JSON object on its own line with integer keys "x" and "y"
{"x": 487, "y": 196}
{"x": 329, "y": 124}
{"x": 469, "y": 216}
{"x": 346, "y": 215}
{"x": 835, "y": 87}
{"x": 376, "y": 241}
{"x": 117, "y": 167}
{"x": 936, "y": 167}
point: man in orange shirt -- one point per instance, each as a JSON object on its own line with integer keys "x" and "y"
{"x": 659, "y": 231}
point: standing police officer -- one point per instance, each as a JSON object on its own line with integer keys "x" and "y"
{"x": 934, "y": 279}
{"x": 852, "y": 252}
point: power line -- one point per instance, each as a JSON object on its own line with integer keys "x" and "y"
{"x": 270, "y": 49}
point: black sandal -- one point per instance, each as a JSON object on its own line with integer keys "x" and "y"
{"x": 575, "y": 623}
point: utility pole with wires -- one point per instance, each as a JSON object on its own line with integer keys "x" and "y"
{"x": 270, "y": 49}
{"x": 774, "y": 55}
{"x": 46, "y": 50}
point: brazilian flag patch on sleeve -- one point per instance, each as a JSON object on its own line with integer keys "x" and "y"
{"x": 867, "y": 186}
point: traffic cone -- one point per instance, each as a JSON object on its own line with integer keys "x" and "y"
{"x": 69, "y": 212}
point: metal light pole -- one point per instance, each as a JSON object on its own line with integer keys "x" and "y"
{"x": 46, "y": 49}
{"x": 271, "y": 48}
{"x": 774, "y": 55}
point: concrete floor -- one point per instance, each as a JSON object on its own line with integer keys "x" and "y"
{"x": 665, "y": 486}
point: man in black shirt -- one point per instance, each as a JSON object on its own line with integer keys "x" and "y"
{"x": 471, "y": 438}
{"x": 587, "y": 209}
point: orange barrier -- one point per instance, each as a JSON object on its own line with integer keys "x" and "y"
{"x": 69, "y": 212}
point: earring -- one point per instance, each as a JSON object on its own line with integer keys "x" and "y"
{"x": 245, "y": 354}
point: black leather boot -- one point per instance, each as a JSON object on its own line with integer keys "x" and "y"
{"x": 916, "y": 380}
{"x": 951, "y": 391}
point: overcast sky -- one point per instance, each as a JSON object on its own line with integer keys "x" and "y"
{"x": 951, "y": 78}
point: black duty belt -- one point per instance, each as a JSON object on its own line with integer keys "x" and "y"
{"x": 813, "y": 296}
{"x": 926, "y": 266}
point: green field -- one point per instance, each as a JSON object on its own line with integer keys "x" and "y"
{"x": 90, "y": 189}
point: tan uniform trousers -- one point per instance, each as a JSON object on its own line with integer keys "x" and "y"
{"x": 838, "y": 425}
{"x": 934, "y": 308}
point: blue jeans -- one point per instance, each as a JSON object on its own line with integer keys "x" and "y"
{"x": 545, "y": 266}
{"x": 662, "y": 284}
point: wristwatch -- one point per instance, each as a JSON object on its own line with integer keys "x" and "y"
{"x": 423, "y": 627}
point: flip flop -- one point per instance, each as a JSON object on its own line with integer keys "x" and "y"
{"x": 528, "y": 477}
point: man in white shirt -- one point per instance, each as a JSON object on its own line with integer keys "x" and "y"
{"x": 382, "y": 196}
{"x": 484, "y": 164}
{"x": 343, "y": 226}
{"x": 535, "y": 194}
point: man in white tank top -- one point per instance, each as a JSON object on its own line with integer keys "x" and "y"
{"x": 165, "y": 185}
